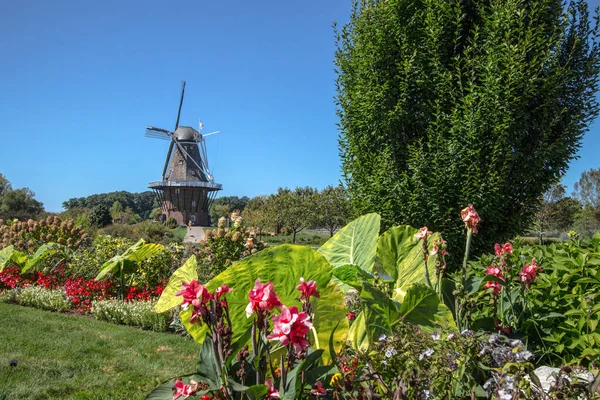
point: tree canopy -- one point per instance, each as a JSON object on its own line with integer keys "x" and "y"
{"x": 18, "y": 203}
{"x": 140, "y": 203}
{"x": 450, "y": 102}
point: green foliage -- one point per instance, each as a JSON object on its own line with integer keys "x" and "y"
{"x": 224, "y": 206}
{"x": 141, "y": 204}
{"x": 86, "y": 262}
{"x": 446, "y": 103}
{"x": 557, "y": 315}
{"x": 332, "y": 208}
{"x": 186, "y": 273}
{"x": 292, "y": 210}
{"x": 100, "y": 216}
{"x": 133, "y": 313}
{"x": 171, "y": 223}
{"x": 45, "y": 299}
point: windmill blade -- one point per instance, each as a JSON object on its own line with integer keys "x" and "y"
{"x": 180, "y": 104}
{"x": 158, "y": 133}
{"x": 211, "y": 133}
{"x": 168, "y": 158}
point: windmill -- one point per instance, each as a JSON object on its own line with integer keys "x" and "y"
{"x": 187, "y": 187}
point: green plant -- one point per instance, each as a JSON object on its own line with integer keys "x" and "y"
{"x": 442, "y": 103}
{"x": 86, "y": 262}
{"x": 133, "y": 313}
{"x": 45, "y": 299}
{"x": 29, "y": 236}
{"x": 127, "y": 263}
{"x": 171, "y": 223}
{"x": 8, "y": 296}
{"x": 554, "y": 310}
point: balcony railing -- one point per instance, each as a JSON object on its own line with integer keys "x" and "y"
{"x": 198, "y": 184}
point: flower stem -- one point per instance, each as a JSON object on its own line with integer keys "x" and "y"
{"x": 314, "y": 331}
{"x": 467, "y": 251}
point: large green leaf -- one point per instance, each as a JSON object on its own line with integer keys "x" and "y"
{"x": 380, "y": 311}
{"x": 400, "y": 255}
{"x": 9, "y": 253}
{"x": 354, "y": 244}
{"x": 350, "y": 276}
{"x": 133, "y": 255}
{"x": 42, "y": 253}
{"x": 330, "y": 317}
{"x": 282, "y": 265}
{"x": 186, "y": 273}
{"x": 358, "y": 336}
{"x": 421, "y": 306}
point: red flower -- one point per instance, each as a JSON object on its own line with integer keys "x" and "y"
{"x": 351, "y": 316}
{"x": 273, "y": 393}
{"x": 529, "y": 272}
{"x": 262, "y": 297}
{"x": 222, "y": 290}
{"x": 423, "y": 233}
{"x": 193, "y": 293}
{"x": 497, "y": 286}
{"x": 291, "y": 327}
{"x": 318, "y": 389}
{"x": 181, "y": 389}
{"x": 470, "y": 218}
{"x": 497, "y": 272}
{"x": 308, "y": 289}
{"x": 506, "y": 249}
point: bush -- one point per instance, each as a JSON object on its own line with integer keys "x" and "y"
{"x": 158, "y": 268}
{"x": 86, "y": 262}
{"x": 8, "y": 296}
{"x": 171, "y": 223}
{"x": 100, "y": 216}
{"x": 133, "y": 313}
{"x": 45, "y": 299}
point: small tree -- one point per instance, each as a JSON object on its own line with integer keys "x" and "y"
{"x": 292, "y": 209}
{"x": 333, "y": 209}
{"x": 100, "y": 216}
{"x": 256, "y": 215}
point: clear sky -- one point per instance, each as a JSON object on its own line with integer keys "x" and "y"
{"x": 81, "y": 80}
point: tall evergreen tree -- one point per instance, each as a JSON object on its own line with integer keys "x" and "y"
{"x": 443, "y": 103}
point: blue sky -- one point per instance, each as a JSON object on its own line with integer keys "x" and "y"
{"x": 81, "y": 80}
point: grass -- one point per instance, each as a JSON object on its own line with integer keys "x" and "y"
{"x": 312, "y": 238}
{"x": 179, "y": 232}
{"x": 66, "y": 356}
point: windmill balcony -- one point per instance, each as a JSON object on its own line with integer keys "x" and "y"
{"x": 198, "y": 184}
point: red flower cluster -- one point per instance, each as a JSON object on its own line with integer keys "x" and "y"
{"x": 497, "y": 272}
{"x": 262, "y": 297}
{"x": 11, "y": 278}
{"x": 50, "y": 281}
{"x": 83, "y": 291}
{"x": 144, "y": 293}
{"x": 470, "y": 218}
{"x": 307, "y": 289}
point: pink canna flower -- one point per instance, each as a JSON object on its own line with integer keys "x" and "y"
{"x": 262, "y": 297}
{"x": 497, "y": 272}
{"x": 273, "y": 393}
{"x": 308, "y": 289}
{"x": 496, "y": 286}
{"x": 423, "y": 233}
{"x": 181, "y": 389}
{"x": 470, "y": 218}
{"x": 351, "y": 316}
{"x": 318, "y": 389}
{"x": 500, "y": 250}
{"x": 529, "y": 272}
{"x": 222, "y": 290}
{"x": 292, "y": 327}
{"x": 193, "y": 293}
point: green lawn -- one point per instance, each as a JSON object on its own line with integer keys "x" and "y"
{"x": 65, "y": 356}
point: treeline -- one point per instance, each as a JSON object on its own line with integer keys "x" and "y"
{"x": 18, "y": 203}
{"x": 580, "y": 212}
{"x": 123, "y": 202}
{"x": 289, "y": 211}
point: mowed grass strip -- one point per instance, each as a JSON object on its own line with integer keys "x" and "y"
{"x": 65, "y": 356}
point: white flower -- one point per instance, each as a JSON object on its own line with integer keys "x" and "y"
{"x": 435, "y": 335}
{"x": 450, "y": 336}
{"x": 425, "y": 354}
{"x": 383, "y": 338}
{"x": 390, "y": 352}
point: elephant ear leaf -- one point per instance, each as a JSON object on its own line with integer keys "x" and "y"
{"x": 9, "y": 253}
{"x": 354, "y": 244}
{"x": 135, "y": 254}
{"x": 186, "y": 273}
{"x": 400, "y": 255}
{"x": 42, "y": 253}
{"x": 421, "y": 306}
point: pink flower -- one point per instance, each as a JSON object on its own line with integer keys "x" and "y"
{"x": 529, "y": 272}
{"x": 222, "y": 290}
{"x": 494, "y": 270}
{"x": 308, "y": 289}
{"x": 181, "y": 389}
{"x": 423, "y": 233}
{"x": 497, "y": 272}
{"x": 291, "y": 327}
{"x": 262, "y": 297}
{"x": 494, "y": 285}
{"x": 193, "y": 293}
{"x": 273, "y": 393}
{"x": 351, "y": 316}
{"x": 318, "y": 389}
{"x": 500, "y": 250}
{"x": 470, "y": 218}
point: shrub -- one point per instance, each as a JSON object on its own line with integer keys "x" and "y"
{"x": 45, "y": 299}
{"x": 86, "y": 262}
{"x": 157, "y": 269}
{"x": 171, "y": 223}
{"x": 8, "y": 296}
{"x": 133, "y": 313}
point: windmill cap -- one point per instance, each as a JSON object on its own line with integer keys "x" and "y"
{"x": 187, "y": 133}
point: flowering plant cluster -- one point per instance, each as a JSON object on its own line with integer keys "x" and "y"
{"x": 83, "y": 292}
{"x": 42, "y": 298}
{"x": 276, "y": 361}
{"x": 28, "y": 236}
{"x": 143, "y": 293}
{"x": 138, "y": 313}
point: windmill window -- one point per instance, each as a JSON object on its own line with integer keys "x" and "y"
{"x": 180, "y": 162}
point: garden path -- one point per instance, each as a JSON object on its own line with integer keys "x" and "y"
{"x": 194, "y": 234}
